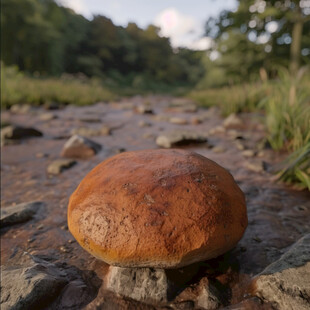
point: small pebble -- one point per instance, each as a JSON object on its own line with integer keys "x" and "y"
{"x": 41, "y": 155}
{"x": 64, "y": 249}
{"x": 248, "y": 153}
{"x": 218, "y": 149}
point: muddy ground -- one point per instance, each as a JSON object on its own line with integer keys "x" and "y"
{"x": 278, "y": 215}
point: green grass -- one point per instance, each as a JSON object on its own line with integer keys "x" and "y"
{"x": 287, "y": 111}
{"x": 231, "y": 99}
{"x": 19, "y": 88}
{"x": 286, "y": 103}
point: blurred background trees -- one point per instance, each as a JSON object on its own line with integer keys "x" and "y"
{"x": 41, "y": 37}
{"x": 261, "y": 34}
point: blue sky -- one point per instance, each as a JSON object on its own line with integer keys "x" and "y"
{"x": 180, "y": 20}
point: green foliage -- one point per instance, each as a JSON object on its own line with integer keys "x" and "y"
{"x": 42, "y": 36}
{"x": 245, "y": 45}
{"x": 288, "y": 123}
{"x": 286, "y": 103}
{"x": 287, "y": 110}
{"x": 20, "y": 88}
{"x": 297, "y": 167}
{"x": 231, "y": 99}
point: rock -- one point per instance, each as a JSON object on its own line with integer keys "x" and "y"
{"x": 208, "y": 297}
{"x": 80, "y": 147}
{"x": 144, "y": 109}
{"x": 144, "y": 124}
{"x": 30, "y": 285}
{"x": 261, "y": 154}
{"x": 218, "y": 149}
{"x": 17, "y": 132}
{"x": 256, "y": 166}
{"x": 142, "y": 284}
{"x": 196, "y": 120}
{"x": 20, "y": 108}
{"x": 90, "y": 119}
{"x": 19, "y": 213}
{"x": 41, "y": 155}
{"x": 178, "y": 120}
{"x": 239, "y": 145}
{"x": 285, "y": 283}
{"x": 52, "y": 106}
{"x": 47, "y": 116}
{"x": 58, "y": 166}
{"x": 92, "y": 132}
{"x": 248, "y": 153}
{"x": 217, "y": 129}
{"x": 235, "y": 135}
{"x": 182, "y": 105}
{"x": 179, "y": 137}
{"x": 232, "y": 121}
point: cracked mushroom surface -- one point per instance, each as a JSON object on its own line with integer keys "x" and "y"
{"x": 157, "y": 208}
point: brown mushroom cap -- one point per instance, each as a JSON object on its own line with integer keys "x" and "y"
{"x": 157, "y": 208}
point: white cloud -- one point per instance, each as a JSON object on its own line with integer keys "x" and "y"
{"x": 201, "y": 44}
{"x": 76, "y": 5}
{"x": 183, "y": 30}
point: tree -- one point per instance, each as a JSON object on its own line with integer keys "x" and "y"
{"x": 272, "y": 24}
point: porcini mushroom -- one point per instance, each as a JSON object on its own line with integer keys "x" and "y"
{"x": 157, "y": 208}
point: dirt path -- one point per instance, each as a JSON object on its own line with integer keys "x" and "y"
{"x": 278, "y": 215}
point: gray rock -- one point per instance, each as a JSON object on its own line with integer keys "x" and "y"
{"x": 92, "y": 132}
{"x": 19, "y": 213}
{"x": 47, "y": 116}
{"x": 248, "y": 153}
{"x": 239, "y": 145}
{"x": 183, "y": 105}
{"x": 232, "y": 121}
{"x": 31, "y": 285}
{"x": 178, "y": 120}
{"x": 59, "y": 165}
{"x": 179, "y": 137}
{"x": 256, "y": 166}
{"x": 217, "y": 129}
{"x": 80, "y": 147}
{"x": 18, "y": 132}
{"x": 218, "y": 149}
{"x": 144, "y": 109}
{"x": 90, "y": 119}
{"x": 286, "y": 282}
{"x": 208, "y": 297}
{"x": 142, "y": 284}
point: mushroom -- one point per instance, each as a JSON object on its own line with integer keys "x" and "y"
{"x": 157, "y": 208}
